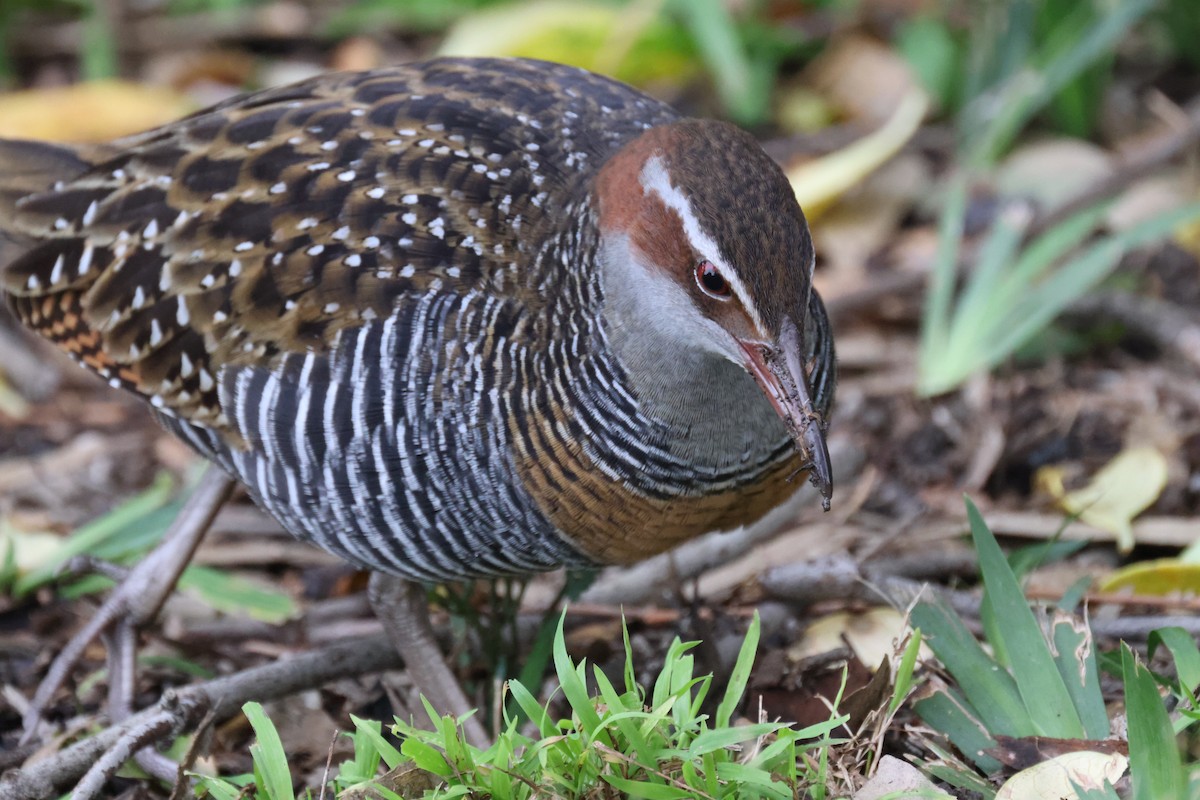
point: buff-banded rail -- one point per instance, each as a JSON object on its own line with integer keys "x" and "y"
{"x": 459, "y": 318}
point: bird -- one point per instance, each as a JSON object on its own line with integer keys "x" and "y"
{"x": 451, "y": 319}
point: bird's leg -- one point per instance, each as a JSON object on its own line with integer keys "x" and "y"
{"x": 135, "y": 601}
{"x": 403, "y": 609}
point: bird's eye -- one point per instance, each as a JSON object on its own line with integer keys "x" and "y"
{"x": 712, "y": 282}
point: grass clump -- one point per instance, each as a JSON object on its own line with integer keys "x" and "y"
{"x": 618, "y": 741}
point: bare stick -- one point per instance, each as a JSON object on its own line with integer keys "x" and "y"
{"x": 222, "y": 697}
{"x": 139, "y": 598}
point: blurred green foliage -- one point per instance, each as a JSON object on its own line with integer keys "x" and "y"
{"x": 1018, "y": 58}
{"x": 966, "y": 52}
{"x": 638, "y": 41}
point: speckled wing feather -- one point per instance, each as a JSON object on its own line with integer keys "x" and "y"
{"x": 262, "y": 227}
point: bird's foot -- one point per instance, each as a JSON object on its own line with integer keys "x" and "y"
{"x": 403, "y": 609}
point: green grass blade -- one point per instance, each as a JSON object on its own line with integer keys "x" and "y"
{"x": 532, "y": 709}
{"x": 649, "y": 791}
{"x": 903, "y": 682}
{"x": 1044, "y": 251}
{"x": 98, "y": 532}
{"x": 1154, "y": 761}
{"x": 571, "y": 679}
{"x": 270, "y": 761}
{"x": 1028, "y": 91}
{"x": 98, "y": 48}
{"x": 624, "y": 722}
{"x": 948, "y": 713}
{"x": 740, "y": 676}
{"x": 723, "y": 738}
{"x": 990, "y": 691}
{"x": 1047, "y": 301}
{"x": 976, "y": 304}
{"x": 371, "y": 732}
{"x": 233, "y": 594}
{"x": 1075, "y": 656}
{"x": 744, "y": 92}
{"x": 752, "y": 782}
{"x": 935, "y": 321}
{"x": 218, "y": 789}
{"x": 1183, "y": 651}
{"x": 1081, "y": 274}
{"x": 1045, "y": 696}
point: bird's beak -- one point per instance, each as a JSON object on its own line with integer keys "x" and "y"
{"x": 779, "y": 370}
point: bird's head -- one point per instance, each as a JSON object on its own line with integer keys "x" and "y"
{"x": 704, "y": 232}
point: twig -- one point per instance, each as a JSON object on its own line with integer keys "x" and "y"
{"x": 131, "y": 741}
{"x": 1123, "y": 599}
{"x": 221, "y": 697}
{"x": 1160, "y": 150}
{"x": 1138, "y": 628}
{"x": 138, "y": 599}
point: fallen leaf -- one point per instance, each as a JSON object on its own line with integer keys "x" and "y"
{"x": 636, "y": 44}
{"x": 865, "y": 78}
{"x": 1057, "y": 778}
{"x": 1163, "y": 576}
{"x": 1122, "y": 489}
{"x": 872, "y": 635}
{"x": 818, "y": 183}
{"x": 866, "y": 221}
{"x": 1052, "y": 171}
{"x": 88, "y": 112}
{"x": 30, "y": 549}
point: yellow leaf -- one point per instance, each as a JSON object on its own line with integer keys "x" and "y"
{"x": 1056, "y": 778}
{"x": 1163, "y": 576}
{"x": 88, "y": 112}
{"x": 30, "y": 549}
{"x": 634, "y": 44}
{"x": 820, "y": 182}
{"x": 1122, "y": 489}
{"x": 871, "y": 635}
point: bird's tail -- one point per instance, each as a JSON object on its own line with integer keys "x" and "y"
{"x": 29, "y": 167}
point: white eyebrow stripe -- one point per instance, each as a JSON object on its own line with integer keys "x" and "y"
{"x": 654, "y": 179}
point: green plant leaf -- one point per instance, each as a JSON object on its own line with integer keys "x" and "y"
{"x": 903, "y": 681}
{"x": 1075, "y": 656}
{"x": 1183, "y": 650}
{"x": 571, "y": 678}
{"x": 128, "y": 516}
{"x": 370, "y": 731}
{"x": 744, "y": 90}
{"x": 1045, "y": 696}
{"x": 723, "y": 737}
{"x": 424, "y": 755}
{"x": 935, "y": 321}
{"x": 236, "y": 595}
{"x": 531, "y": 708}
{"x": 271, "y": 769}
{"x": 949, "y": 714}
{"x": 740, "y": 675}
{"x": 991, "y": 693}
{"x": 1027, "y": 89}
{"x": 650, "y": 791}
{"x": 1154, "y": 760}
{"x": 624, "y": 722}
{"x": 929, "y": 46}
